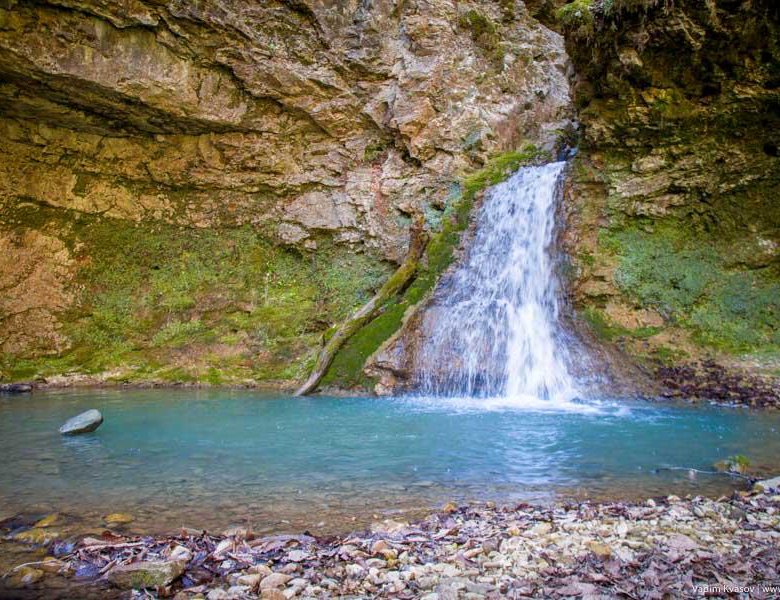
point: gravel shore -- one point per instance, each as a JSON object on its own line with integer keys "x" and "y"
{"x": 664, "y": 547}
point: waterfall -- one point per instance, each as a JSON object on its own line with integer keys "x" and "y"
{"x": 494, "y": 331}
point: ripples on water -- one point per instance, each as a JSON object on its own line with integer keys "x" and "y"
{"x": 211, "y": 458}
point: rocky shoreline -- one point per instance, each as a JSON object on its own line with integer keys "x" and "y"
{"x": 712, "y": 381}
{"x": 701, "y": 382}
{"x": 664, "y": 547}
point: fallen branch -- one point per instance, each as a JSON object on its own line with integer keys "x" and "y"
{"x": 417, "y": 242}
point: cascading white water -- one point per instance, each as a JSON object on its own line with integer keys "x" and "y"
{"x": 495, "y": 330}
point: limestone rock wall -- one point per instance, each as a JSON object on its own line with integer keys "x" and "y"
{"x": 198, "y": 190}
{"x": 674, "y": 229}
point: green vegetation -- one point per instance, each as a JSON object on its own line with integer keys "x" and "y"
{"x": 499, "y": 168}
{"x": 179, "y": 304}
{"x": 485, "y": 34}
{"x": 605, "y": 329}
{"x": 577, "y": 17}
{"x": 339, "y": 335}
{"x": 374, "y": 150}
{"x": 615, "y": 7}
{"x": 687, "y": 278}
{"x": 347, "y": 367}
{"x": 737, "y": 463}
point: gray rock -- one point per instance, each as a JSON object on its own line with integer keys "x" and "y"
{"x": 768, "y": 485}
{"x": 83, "y": 423}
{"x": 145, "y": 574}
{"x": 15, "y": 388}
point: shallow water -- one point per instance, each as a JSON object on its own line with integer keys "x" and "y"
{"x": 207, "y": 459}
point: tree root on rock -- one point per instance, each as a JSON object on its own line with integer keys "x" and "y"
{"x": 418, "y": 240}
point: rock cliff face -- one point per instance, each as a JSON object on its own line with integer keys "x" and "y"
{"x": 198, "y": 190}
{"x": 674, "y": 230}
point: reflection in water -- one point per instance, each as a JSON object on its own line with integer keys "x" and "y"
{"x": 211, "y": 458}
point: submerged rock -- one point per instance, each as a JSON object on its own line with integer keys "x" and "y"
{"x": 37, "y": 536}
{"x": 25, "y": 576}
{"x": 48, "y": 520}
{"x": 146, "y": 574}
{"x": 118, "y": 519}
{"x": 83, "y": 423}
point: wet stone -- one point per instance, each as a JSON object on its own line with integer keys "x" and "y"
{"x": 85, "y": 422}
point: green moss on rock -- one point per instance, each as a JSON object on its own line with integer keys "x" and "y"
{"x": 577, "y": 17}
{"x": 347, "y": 367}
{"x": 688, "y": 279}
{"x": 484, "y": 32}
{"x": 156, "y": 301}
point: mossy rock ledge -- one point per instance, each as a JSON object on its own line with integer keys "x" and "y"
{"x": 673, "y": 223}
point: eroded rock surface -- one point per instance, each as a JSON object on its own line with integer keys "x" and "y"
{"x": 674, "y": 226}
{"x": 314, "y": 128}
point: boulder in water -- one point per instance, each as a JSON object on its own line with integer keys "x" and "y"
{"x": 83, "y": 423}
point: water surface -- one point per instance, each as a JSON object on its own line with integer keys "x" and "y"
{"x": 214, "y": 458}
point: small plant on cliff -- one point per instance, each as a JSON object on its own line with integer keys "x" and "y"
{"x": 615, "y": 7}
{"x": 577, "y": 17}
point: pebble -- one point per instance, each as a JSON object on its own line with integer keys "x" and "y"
{"x": 252, "y": 580}
{"x": 262, "y": 570}
{"x": 599, "y": 549}
{"x": 145, "y": 574}
{"x": 274, "y": 580}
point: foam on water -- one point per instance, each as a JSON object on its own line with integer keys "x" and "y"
{"x": 496, "y": 335}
